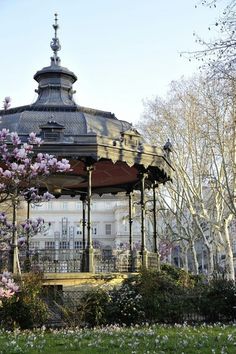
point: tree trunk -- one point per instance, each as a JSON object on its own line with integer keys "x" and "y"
{"x": 15, "y": 266}
{"x": 210, "y": 259}
{"x": 185, "y": 258}
{"x": 229, "y": 259}
{"x": 195, "y": 261}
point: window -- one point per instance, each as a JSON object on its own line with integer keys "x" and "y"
{"x": 78, "y": 230}
{"x": 108, "y": 229}
{"x": 78, "y": 245}
{"x": 64, "y": 205}
{"x": 78, "y": 205}
{"x": 34, "y": 245}
{"x": 57, "y": 235}
{"x": 234, "y": 246}
{"x": 49, "y": 205}
{"x": 51, "y": 136}
{"x": 94, "y": 228}
{"x": 94, "y": 206}
{"x": 64, "y": 245}
{"x": 49, "y": 245}
{"x": 71, "y": 231}
{"x": 64, "y": 225}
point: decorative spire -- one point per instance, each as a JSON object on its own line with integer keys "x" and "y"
{"x": 55, "y": 44}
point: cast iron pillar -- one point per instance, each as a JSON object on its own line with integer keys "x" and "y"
{"x": 154, "y": 218}
{"x": 27, "y": 264}
{"x": 143, "y": 223}
{"x": 130, "y": 194}
{"x": 83, "y": 265}
{"x": 90, "y": 253}
{"x": 155, "y": 226}
{"x": 131, "y": 255}
{"x": 83, "y": 199}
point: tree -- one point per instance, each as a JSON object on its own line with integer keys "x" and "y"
{"x": 198, "y": 118}
{"x": 21, "y": 175}
{"x": 218, "y": 56}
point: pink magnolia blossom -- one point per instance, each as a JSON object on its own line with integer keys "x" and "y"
{"x": 7, "y": 286}
{"x": 8, "y": 174}
{"x": 22, "y": 169}
{"x": 14, "y": 166}
{"x": 33, "y": 139}
{"x": 15, "y": 139}
{"x": 48, "y": 196}
{"x": 3, "y": 134}
{"x": 20, "y": 153}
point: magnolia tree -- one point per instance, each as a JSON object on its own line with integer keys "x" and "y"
{"x": 22, "y": 172}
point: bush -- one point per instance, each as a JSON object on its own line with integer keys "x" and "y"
{"x": 181, "y": 277}
{"x": 25, "y": 309}
{"x": 92, "y": 307}
{"x": 159, "y": 290}
{"x": 126, "y": 305}
{"x": 122, "y": 305}
{"x": 169, "y": 296}
{"x": 218, "y": 301}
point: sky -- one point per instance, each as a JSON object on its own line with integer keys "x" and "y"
{"x": 122, "y": 51}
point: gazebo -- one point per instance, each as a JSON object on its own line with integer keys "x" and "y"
{"x": 107, "y": 155}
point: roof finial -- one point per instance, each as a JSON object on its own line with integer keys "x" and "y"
{"x": 55, "y": 44}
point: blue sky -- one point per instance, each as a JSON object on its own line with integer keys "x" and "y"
{"x": 123, "y": 51}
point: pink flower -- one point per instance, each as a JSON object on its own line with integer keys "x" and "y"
{"x": 7, "y": 174}
{"x": 21, "y": 153}
{"x": 15, "y": 139}
{"x": 14, "y": 166}
{"x": 3, "y": 134}
{"x": 2, "y": 292}
{"x": 7, "y": 286}
{"x": 48, "y": 196}
{"x": 8, "y": 293}
{"x": 34, "y": 140}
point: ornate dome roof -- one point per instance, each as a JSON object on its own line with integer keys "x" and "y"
{"x": 55, "y": 103}
{"x": 84, "y": 135}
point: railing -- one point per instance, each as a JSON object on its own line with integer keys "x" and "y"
{"x": 74, "y": 261}
{"x": 185, "y": 308}
{"x": 56, "y": 261}
{"x": 153, "y": 260}
{"x": 118, "y": 262}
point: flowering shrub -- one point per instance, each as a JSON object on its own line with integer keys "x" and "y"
{"x": 7, "y": 286}
{"x": 125, "y": 306}
{"x": 122, "y": 305}
{"x": 22, "y": 167}
{"x": 27, "y": 309}
{"x": 22, "y": 172}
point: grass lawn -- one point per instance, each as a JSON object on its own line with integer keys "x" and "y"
{"x": 111, "y": 340}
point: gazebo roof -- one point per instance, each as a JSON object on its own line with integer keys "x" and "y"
{"x": 85, "y": 135}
